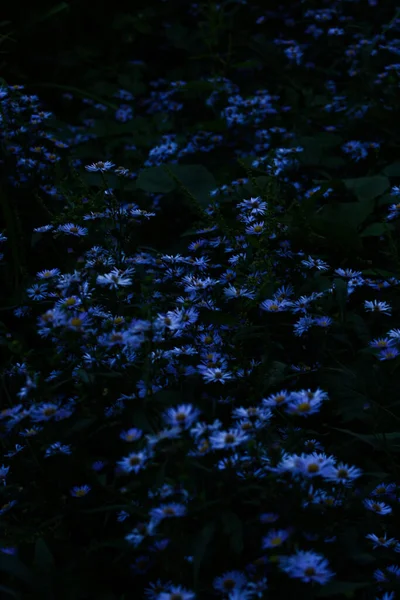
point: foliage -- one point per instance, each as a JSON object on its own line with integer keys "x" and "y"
{"x": 199, "y": 316}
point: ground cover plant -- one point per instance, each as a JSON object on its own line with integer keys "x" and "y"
{"x": 199, "y": 324}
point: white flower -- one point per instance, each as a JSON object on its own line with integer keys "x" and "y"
{"x": 113, "y": 279}
{"x": 228, "y": 439}
{"x": 100, "y": 166}
{"x": 307, "y": 566}
{"x": 375, "y": 306}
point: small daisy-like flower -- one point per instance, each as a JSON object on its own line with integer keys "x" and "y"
{"x": 113, "y": 279}
{"x": 394, "y": 334}
{"x": 375, "y": 306}
{"x": 98, "y": 465}
{"x": 381, "y": 542}
{"x": 303, "y": 406}
{"x": 317, "y": 263}
{"x": 131, "y": 435}
{"x": 3, "y": 473}
{"x": 323, "y": 321}
{"x": 71, "y": 229}
{"x": 133, "y": 463}
{"x": 275, "y": 400}
{"x": 386, "y": 596}
{"x": 44, "y": 412}
{"x": 232, "y": 580}
{"x": 380, "y": 508}
{"x": 312, "y": 445}
{"x": 38, "y": 291}
{"x": 11, "y": 453}
{"x": 58, "y": 448}
{"x": 275, "y": 305}
{"x": 255, "y": 228}
{"x": 167, "y": 511}
{"x": 78, "y": 321}
{"x": 176, "y": 592}
{"x": 48, "y": 274}
{"x": 122, "y": 516}
{"x": 342, "y": 473}
{"x": 348, "y": 273}
{"x": 382, "y": 343}
{"x": 388, "y": 354}
{"x": 303, "y": 325}
{"x": 100, "y": 166}
{"x": 22, "y": 311}
{"x": 228, "y": 439}
{"x": 69, "y": 302}
{"x": 216, "y": 375}
{"x": 233, "y": 292}
{"x": 184, "y": 415}
{"x": 384, "y": 489}
{"x": 307, "y": 566}
{"x": 43, "y": 229}
{"x": 6, "y": 507}
{"x": 274, "y": 538}
{"x": 80, "y": 490}
{"x": 269, "y": 517}
{"x": 9, "y": 550}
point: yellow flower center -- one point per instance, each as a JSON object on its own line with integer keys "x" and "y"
{"x": 313, "y": 468}
{"x": 76, "y": 322}
{"x": 276, "y": 541}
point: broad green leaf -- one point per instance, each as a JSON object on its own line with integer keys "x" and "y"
{"x": 341, "y": 294}
{"x": 341, "y": 588}
{"x": 43, "y": 559}
{"x": 333, "y": 162}
{"x": 392, "y": 170}
{"x": 374, "y": 230}
{"x": 12, "y": 565}
{"x": 368, "y": 188}
{"x": 155, "y": 180}
{"x": 200, "y": 545}
{"x": 233, "y": 527}
{"x": 9, "y": 593}
{"x": 339, "y": 222}
{"x": 79, "y": 93}
{"x": 196, "y": 179}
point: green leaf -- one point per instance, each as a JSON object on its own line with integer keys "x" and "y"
{"x": 374, "y": 230}
{"x": 155, "y": 180}
{"x": 85, "y": 376}
{"x": 43, "y": 559}
{"x": 80, "y": 93}
{"x": 368, "y": 439}
{"x": 12, "y": 565}
{"x": 392, "y": 170}
{"x": 344, "y": 588}
{"x": 233, "y": 527}
{"x": 368, "y": 188}
{"x": 80, "y": 425}
{"x": 196, "y": 179}
{"x": 200, "y": 545}
{"x": 338, "y": 223}
{"x": 9, "y": 592}
{"x": 360, "y": 327}
{"x": 341, "y": 294}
